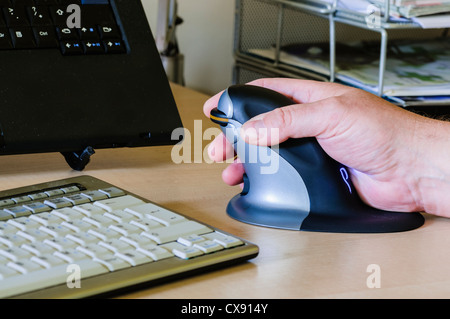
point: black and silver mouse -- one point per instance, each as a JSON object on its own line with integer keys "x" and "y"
{"x": 295, "y": 185}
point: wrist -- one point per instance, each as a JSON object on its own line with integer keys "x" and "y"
{"x": 432, "y": 173}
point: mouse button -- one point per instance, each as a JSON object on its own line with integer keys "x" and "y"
{"x": 218, "y": 117}
{"x": 246, "y": 182}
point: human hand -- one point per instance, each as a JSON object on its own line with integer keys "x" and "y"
{"x": 382, "y": 145}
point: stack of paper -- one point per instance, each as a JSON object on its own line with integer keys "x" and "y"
{"x": 412, "y": 68}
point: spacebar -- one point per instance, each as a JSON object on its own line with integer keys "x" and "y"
{"x": 45, "y": 278}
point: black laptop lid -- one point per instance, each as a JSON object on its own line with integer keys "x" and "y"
{"x": 101, "y": 87}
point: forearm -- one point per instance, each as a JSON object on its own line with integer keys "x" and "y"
{"x": 433, "y": 171}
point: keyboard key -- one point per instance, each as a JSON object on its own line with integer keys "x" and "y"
{"x": 114, "y": 46}
{"x": 24, "y": 223}
{"x": 33, "y": 235}
{"x": 11, "y": 240}
{"x": 117, "y": 203}
{"x": 6, "y": 272}
{"x": 181, "y": 251}
{"x": 37, "y": 196}
{"x": 59, "y": 15}
{"x": 23, "y": 266}
{"x": 6, "y": 202}
{"x": 47, "y": 261}
{"x": 133, "y": 257}
{"x": 37, "y": 207}
{"x": 94, "y": 195}
{"x": 224, "y": 240}
{"x": 77, "y": 199}
{"x": 115, "y": 245}
{"x": 15, "y": 253}
{"x": 109, "y": 32}
{"x": 18, "y": 211}
{"x": 7, "y": 228}
{"x": 136, "y": 240}
{"x": 46, "y": 219}
{"x": 38, "y": 248}
{"x": 83, "y": 238}
{"x": 45, "y": 37}
{"x": 104, "y": 234}
{"x": 60, "y": 243}
{"x": 112, "y": 262}
{"x": 54, "y": 192}
{"x": 93, "y": 250}
{"x": 47, "y": 277}
{"x": 56, "y": 230}
{"x": 71, "y": 255}
{"x": 65, "y": 33}
{"x": 89, "y": 33}
{"x": 89, "y": 210}
{"x": 167, "y": 234}
{"x": 70, "y": 189}
{"x": 208, "y": 246}
{"x": 21, "y": 199}
{"x": 112, "y": 191}
{"x": 56, "y": 203}
{"x": 99, "y": 221}
{"x": 155, "y": 252}
{"x": 4, "y": 216}
{"x": 119, "y": 216}
{"x": 22, "y": 37}
{"x": 72, "y": 48}
{"x": 94, "y": 47}
{"x": 156, "y": 213}
{"x": 39, "y": 15}
{"x": 77, "y": 225}
{"x": 145, "y": 224}
{"x": 67, "y": 214}
{"x": 5, "y": 43}
{"x": 15, "y": 16}
{"x": 125, "y": 229}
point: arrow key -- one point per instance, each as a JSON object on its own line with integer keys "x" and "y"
{"x": 89, "y": 33}
{"x": 114, "y": 46}
{"x": 94, "y": 47}
{"x": 71, "y": 48}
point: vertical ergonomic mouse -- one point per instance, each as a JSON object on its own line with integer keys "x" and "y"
{"x": 295, "y": 185}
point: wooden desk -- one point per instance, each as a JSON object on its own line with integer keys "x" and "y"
{"x": 291, "y": 264}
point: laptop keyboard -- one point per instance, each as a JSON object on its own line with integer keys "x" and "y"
{"x": 111, "y": 238}
{"x": 43, "y": 24}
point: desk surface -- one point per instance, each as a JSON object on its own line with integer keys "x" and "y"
{"x": 291, "y": 264}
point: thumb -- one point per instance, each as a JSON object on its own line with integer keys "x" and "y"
{"x": 292, "y": 121}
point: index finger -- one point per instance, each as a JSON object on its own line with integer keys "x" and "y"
{"x": 302, "y": 91}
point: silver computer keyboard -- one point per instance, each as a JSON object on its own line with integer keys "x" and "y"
{"x": 82, "y": 237}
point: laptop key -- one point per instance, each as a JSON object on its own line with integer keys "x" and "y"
{"x": 114, "y": 46}
{"x": 45, "y": 37}
{"x": 71, "y": 48}
{"x": 15, "y": 16}
{"x": 22, "y": 38}
{"x": 5, "y": 40}
{"x": 39, "y": 15}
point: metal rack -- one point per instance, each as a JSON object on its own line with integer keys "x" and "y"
{"x": 266, "y": 23}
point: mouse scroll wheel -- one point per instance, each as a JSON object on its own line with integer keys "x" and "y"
{"x": 218, "y": 117}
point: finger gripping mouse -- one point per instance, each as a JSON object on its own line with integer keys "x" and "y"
{"x": 295, "y": 185}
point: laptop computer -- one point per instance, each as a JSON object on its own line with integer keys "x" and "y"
{"x": 73, "y": 84}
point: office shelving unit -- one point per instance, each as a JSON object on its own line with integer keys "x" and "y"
{"x": 274, "y": 23}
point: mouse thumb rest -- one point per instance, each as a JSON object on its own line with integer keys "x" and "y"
{"x": 295, "y": 185}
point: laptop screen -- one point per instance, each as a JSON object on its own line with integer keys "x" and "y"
{"x": 74, "y": 83}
